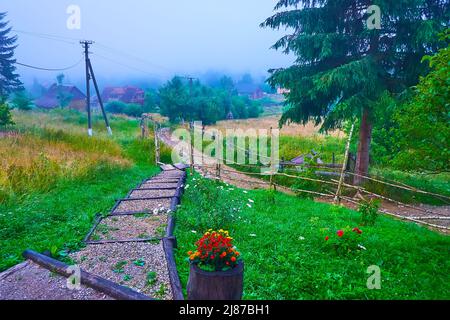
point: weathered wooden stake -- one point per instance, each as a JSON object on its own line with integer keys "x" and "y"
{"x": 157, "y": 150}
{"x": 192, "y": 130}
{"x": 344, "y": 166}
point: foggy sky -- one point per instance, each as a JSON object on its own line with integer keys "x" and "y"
{"x": 154, "y": 39}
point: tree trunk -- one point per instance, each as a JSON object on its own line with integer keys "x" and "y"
{"x": 365, "y": 138}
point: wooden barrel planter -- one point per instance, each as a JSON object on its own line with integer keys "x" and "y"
{"x": 218, "y": 285}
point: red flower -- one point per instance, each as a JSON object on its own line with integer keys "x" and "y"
{"x": 340, "y": 233}
{"x": 327, "y": 238}
{"x": 357, "y": 230}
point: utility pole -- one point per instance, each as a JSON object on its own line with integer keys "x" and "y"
{"x": 90, "y": 75}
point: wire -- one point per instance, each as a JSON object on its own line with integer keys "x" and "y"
{"x": 100, "y": 46}
{"x": 128, "y": 55}
{"x": 49, "y": 69}
{"x": 62, "y": 39}
{"x": 125, "y": 65}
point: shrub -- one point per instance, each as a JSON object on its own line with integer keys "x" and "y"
{"x": 22, "y": 101}
{"x": 132, "y": 110}
{"x": 215, "y": 252}
{"x": 217, "y": 211}
{"x": 345, "y": 241}
{"x": 369, "y": 211}
{"x": 5, "y": 115}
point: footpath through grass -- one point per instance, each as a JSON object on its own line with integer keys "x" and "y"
{"x": 57, "y": 179}
{"x": 282, "y": 241}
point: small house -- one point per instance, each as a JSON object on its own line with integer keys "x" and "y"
{"x": 251, "y": 90}
{"x": 62, "y": 96}
{"x": 124, "y": 94}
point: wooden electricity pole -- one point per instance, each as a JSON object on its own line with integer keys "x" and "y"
{"x": 90, "y": 75}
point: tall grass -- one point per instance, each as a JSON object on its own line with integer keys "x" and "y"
{"x": 54, "y": 179}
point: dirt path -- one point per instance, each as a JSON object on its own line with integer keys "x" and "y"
{"x": 227, "y": 173}
{"x": 422, "y": 214}
{"x": 130, "y": 247}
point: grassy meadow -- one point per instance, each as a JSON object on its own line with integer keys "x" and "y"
{"x": 296, "y": 140}
{"x": 282, "y": 242}
{"x": 54, "y": 179}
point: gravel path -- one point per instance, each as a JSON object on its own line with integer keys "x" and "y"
{"x": 28, "y": 281}
{"x": 140, "y": 266}
{"x": 144, "y": 206}
{"x": 130, "y": 227}
{"x": 152, "y": 193}
{"x": 159, "y": 185}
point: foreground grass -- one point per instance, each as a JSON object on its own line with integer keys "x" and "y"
{"x": 282, "y": 243}
{"x": 50, "y": 204}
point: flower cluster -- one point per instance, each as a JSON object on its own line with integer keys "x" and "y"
{"x": 345, "y": 240}
{"x": 215, "y": 251}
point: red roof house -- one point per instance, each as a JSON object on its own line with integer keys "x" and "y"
{"x": 124, "y": 94}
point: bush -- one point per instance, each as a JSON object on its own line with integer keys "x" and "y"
{"x": 216, "y": 210}
{"x": 132, "y": 110}
{"x": 345, "y": 241}
{"x": 369, "y": 211}
{"x": 22, "y": 101}
{"x": 5, "y": 115}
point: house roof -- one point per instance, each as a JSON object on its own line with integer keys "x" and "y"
{"x": 50, "y": 99}
{"x": 247, "y": 88}
{"x": 128, "y": 91}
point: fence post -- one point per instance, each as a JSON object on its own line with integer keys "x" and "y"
{"x": 192, "y": 131}
{"x": 344, "y": 166}
{"x": 157, "y": 150}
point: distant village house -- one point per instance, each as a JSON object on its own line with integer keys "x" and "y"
{"x": 124, "y": 94}
{"x": 62, "y": 96}
{"x": 251, "y": 90}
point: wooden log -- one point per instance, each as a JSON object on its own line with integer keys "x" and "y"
{"x": 100, "y": 284}
{"x": 144, "y": 199}
{"x": 220, "y": 285}
{"x": 175, "y": 283}
{"x": 98, "y": 219}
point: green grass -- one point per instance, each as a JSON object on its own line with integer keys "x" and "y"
{"x": 60, "y": 217}
{"x": 287, "y": 259}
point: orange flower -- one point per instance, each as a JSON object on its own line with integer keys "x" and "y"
{"x": 233, "y": 259}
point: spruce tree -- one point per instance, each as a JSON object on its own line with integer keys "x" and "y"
{"x": 346, "y": 60}
{"x": 9, "y": 79}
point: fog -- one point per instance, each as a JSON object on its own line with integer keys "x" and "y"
{"x": 145, "y": 41}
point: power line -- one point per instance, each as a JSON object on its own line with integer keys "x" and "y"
{"x": 125, "y": 65}
{"x": 49, "y": 69}
{"x": 48, "y": 36}
{"x": 111, "y": 50}
{"x": 129, "y": 55}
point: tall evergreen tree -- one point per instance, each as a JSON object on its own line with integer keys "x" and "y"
{"x": 9, "y": 79}
{"x": 345, "y": 62}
